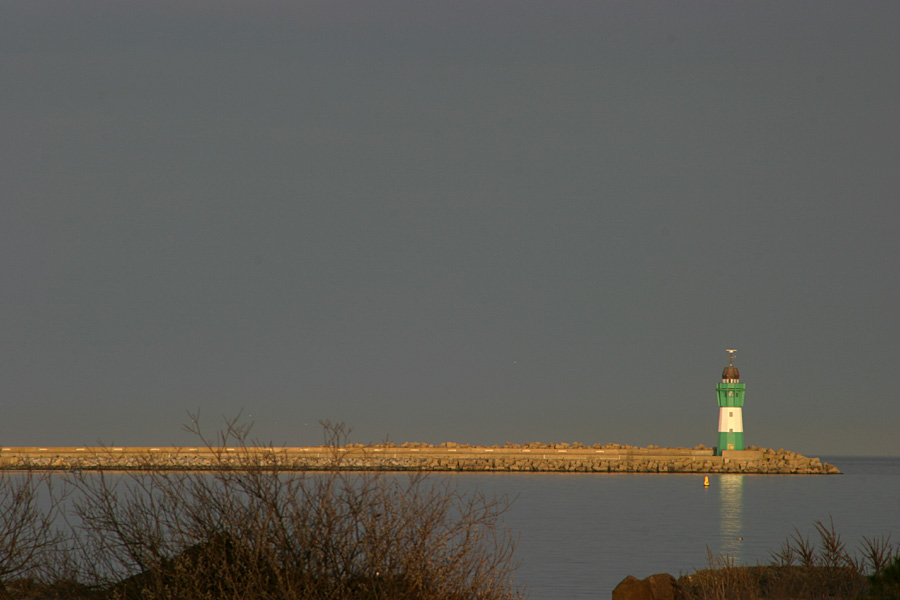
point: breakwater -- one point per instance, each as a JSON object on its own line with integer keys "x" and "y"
{"x": 535, "y": 457}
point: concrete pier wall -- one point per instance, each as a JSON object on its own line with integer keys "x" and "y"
{"x": 609, "y": 458}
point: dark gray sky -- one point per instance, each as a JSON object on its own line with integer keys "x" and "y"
{"x": 450, "y": 221}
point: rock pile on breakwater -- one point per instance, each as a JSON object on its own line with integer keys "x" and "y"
{"x": 532, "y": 457}
{"x": 775, "y": 462}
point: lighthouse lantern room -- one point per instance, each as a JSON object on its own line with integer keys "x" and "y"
{"x": 731, "y": 402}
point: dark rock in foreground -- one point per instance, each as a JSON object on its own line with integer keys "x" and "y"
{"x": 661, "y": 586}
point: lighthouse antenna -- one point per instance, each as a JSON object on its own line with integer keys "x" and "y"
{"x": 730, "y": 357}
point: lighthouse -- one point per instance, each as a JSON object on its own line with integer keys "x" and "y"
{"x": 731, "y": 402}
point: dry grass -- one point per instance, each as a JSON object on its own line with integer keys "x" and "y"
{"x": 803, "y": 570}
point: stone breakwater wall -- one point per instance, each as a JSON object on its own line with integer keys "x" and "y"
{"x": 536, "y": 457}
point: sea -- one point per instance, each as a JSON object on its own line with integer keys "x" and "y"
{"x": 580, "y": 534}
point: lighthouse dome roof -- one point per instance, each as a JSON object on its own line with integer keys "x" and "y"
{"x": 731, "y": 372}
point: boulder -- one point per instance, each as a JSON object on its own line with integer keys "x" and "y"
{"x": 661, "y": 586}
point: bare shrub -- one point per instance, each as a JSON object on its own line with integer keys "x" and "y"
{"x": 247, "y": 530}
{"x": 29, "y": 538}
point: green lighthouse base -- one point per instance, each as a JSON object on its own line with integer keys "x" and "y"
{"x": 731, "y": 441}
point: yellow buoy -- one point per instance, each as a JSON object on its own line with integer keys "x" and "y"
{"x": 706, "y": 482}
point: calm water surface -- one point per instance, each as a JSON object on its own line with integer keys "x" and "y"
{"x": 581, "y": 534}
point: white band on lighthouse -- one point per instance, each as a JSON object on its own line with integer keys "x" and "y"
{"x": 730, "y": 419}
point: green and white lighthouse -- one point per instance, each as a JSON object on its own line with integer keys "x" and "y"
{"x": 731, "y": 403}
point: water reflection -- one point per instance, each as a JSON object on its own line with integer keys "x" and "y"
{"x": 731, "y": 515}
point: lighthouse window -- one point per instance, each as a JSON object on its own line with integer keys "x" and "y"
{"x": 730, "y": 413}
{"x": 730, "y": 394}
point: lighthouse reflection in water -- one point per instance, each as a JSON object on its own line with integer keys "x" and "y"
{"x": 731, "y": 514}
